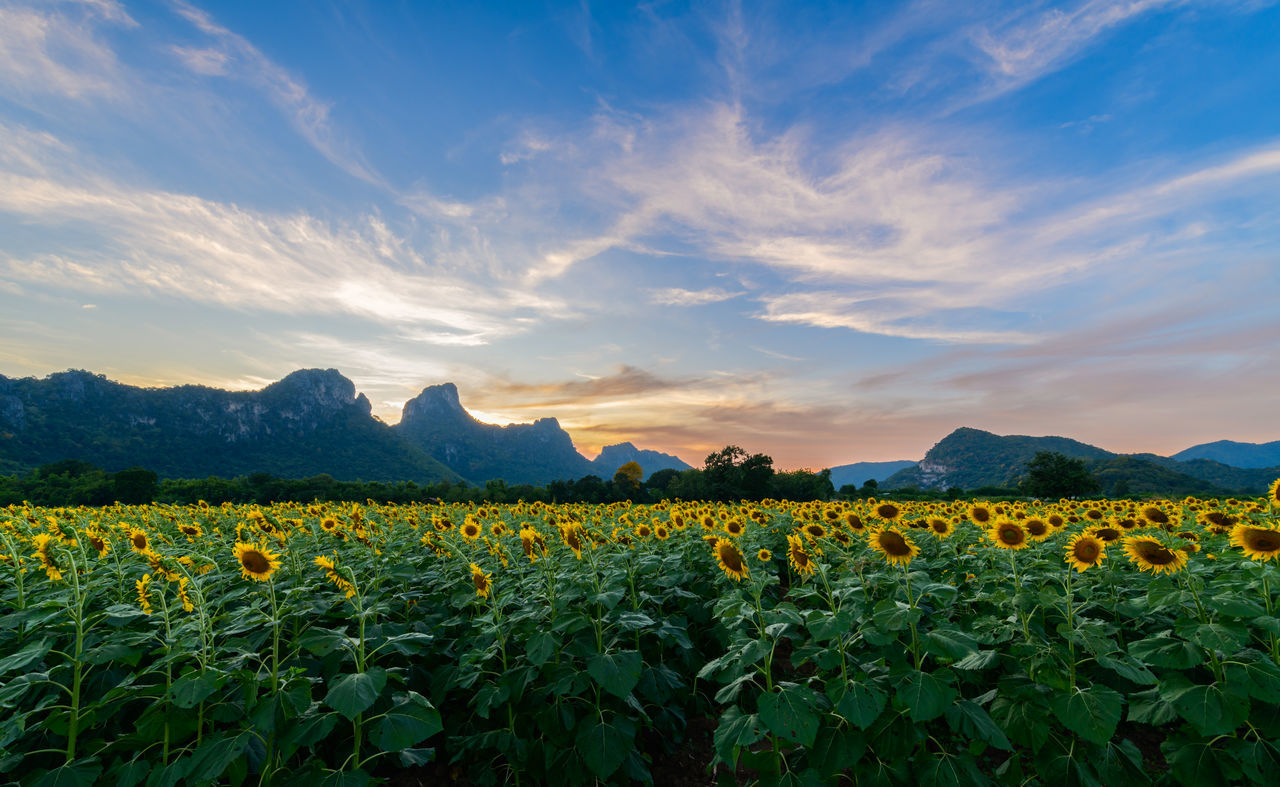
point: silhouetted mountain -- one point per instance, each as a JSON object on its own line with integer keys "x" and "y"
{"x": 1229, "y": 452}
{"x": 859, "y": 473}
{"x": 614, "y": 456}
{"x": 535, "y": 453}
{"x": 309, "y": 423}
{"x": 971, "y": 458}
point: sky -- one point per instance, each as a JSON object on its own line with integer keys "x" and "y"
{"x": 825, "y": 232}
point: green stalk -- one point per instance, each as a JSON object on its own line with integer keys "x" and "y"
{"x": 77, "y": 673}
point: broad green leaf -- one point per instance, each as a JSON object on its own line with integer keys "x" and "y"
{"x": 971, "y": 720}
{"x": 410, "y": 721}
{"x": 81, "y": 773}
{"x": 983, "y": 659}
{"x": 735, "y": 730}
{"x": 1202, "y": 764}
{"x": 789, "y": 714}
{"x": 950, "y": 644}
{"x": 1206, "y": 707}
{"x": 836, "y": 748}
{"x": 1258, "y": 679}
{"x": 925, "y": 695}
{"x": 191, "y": 689}
{"x": 415, "y": 758}
{"x": 1024, "y": 721}
{"x": 354, "y": 693}
{"x": 604, "y": 746}
{"x": 1148, "y": 707}
{"x": 541, "y": 647}
{"x": 948, "y": 770}
{"x": 893, "y": 615}
{"x": 1092, "y": 713}
{"x": 32, "y": 653}
{"x": 1129, "y": 668}
{"x": 212, "y": 758}
{"x": 617, "y": 673}
{"x": 826, "y": 625}
{"x": 1167, "y": 652}
{"x": 861, "y": 703}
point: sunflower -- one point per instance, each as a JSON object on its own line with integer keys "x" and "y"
{"x": 814, "y": 530}
{"x": 940, "y": 527}
{"x": 1037, "y": 528}
{"x": 191, "y": 530}
{"x": 1258, "y": 543}
{"x": 187, "y": 604}
{"x": 893, "y": 545}
{"x": 471, "y": 529}
{"x": 98, "y": 541}
{"x": 661, "y": 532}
{"x": 144, "y": 601}
{"x": 1093, "y": 513}
{"x": 482, "y": 581}
{"x": 1155, "y": 515}
{"x": 138, "y": 540}
{"x": 329, "y": 565}
{"x": 643, "y": 530}
{"x": 572, "y": 537}
{"x": 533, "y": 544}
{"x": 1216, "y": 522}
{"x": 888, "y": 511}
{"x": 1008, "y": 534}
{"x": 1148, "y": 554}
{"x": 1126, "y": 523}
{"x": 43, "y": 543}
{"x": 853, "y": 521}
{"x": 731, "y": 560}
{"x": 1056, "y": 521}
{"x": 1273, "y": 493}
{"x": 799, "y": 558}
{"x": 733, "y": 527}
{"x": 1105, "y": 533}
{"x": 764, "y": 556}
{"x": 1085, "y": 551}
{"x": 256, "y": 562}
{"x": 980, "y": 514}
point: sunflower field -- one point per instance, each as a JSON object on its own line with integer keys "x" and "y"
{"x": 862, "y": 642}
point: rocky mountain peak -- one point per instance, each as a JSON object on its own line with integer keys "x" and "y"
{"x": 435, "y": 403}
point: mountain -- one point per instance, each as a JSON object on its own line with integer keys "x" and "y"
{"x": 859, "y": 473}
{"x": 971, "y": 458}
{"x": 308, "y": 423}
{"x": 435, "y": 422}
{"x": 614, "y": 456}
{"x": 1229, "y": 452}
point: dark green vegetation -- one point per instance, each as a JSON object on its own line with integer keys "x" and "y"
{"x": 971, "y": 458}
{"x": 577, "y": 645}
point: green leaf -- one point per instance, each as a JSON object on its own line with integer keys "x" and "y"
{"x": 1092, "y": 713}
{"x": 1147, "y": 707}
{"x": 836, "y": 748}
{"x": 826, "y": 625}
{"x": 81, "y": 773}
{"x": 33, "y": 652}
{"x": 926, "y": 695}
{"x": 1202, "y": 764}
{"x": 604, "y": 746}
{"x": 861, "y": 703}
{"x": 1257, "y": 679}
{"x": 1236, "y": 607}
{"x": 354, "y": 693}
{"x": 191, "y": 689}
{"x": 891, "y": 615}
{"x": 947, "y": 770}
{"x": 972, "y": 721}
{"x": 322, "y": 642}
{"x": 1206, "y": 707}
{"x": 415, "y": 758}
{"x": 950, "y": 644}
{"x": 983, "y": 659}
{"x": 1221, "y": 637}
{"x": 409, "y": 722}
{"x": 734, "y": 731}
{"x": 617, "y": 673}
{"x": 214, "y": 755}
{"x": 541, "y": 647}
{"x": 789, "y": 714}
{"x": 1129, "y": 668}
{"x": 410, "y": 643}
{"x": 1022, "y": 720}
{"x": 1165, "y": 651}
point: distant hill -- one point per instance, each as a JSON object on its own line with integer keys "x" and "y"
{"x": 971, "y": 458}
{"x": 308, "y": 423}
{"x": 859, "y": 473}
{"x": 1229, "y": 452}
{"x": 537, "y": 453}
{"x": 614, "y": 456}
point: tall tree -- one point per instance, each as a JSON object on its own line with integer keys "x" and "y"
{"x": 1051, "y": 474}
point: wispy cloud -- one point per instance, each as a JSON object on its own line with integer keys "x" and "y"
{"x": 677, "y": 296}
{"x": 232, "y": 55}
{"x": 54, "y": 49}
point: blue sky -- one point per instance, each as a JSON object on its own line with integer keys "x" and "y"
{"x": 828, "y": 232}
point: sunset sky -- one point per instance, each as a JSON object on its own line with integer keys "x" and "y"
{"x": 829, "y": 233}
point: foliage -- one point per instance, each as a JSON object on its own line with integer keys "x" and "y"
{"x": 874, "y": 640}
{"x": 1053, "y": 475}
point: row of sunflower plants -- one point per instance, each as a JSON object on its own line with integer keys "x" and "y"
{"x": 1078, "y": 642}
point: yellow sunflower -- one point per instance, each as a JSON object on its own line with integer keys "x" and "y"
{"x": 661, "y": 532}
{"x": 1148, "y": 554}
{"x": 43, "y": 542}
{"x": 1155, "y": 515}
{"x": 894, "y": 545}
{"x": 1105, "y": 533}
{"x": 733, "y": 527}
{"x": 887, "y": 511}
{"x": 764, "y": 556}
{"x": 138, "y": 540}
{"x": 256, "y": 562}
{"x": 1085, "y": 551}
{"x": 800, "y": 560}
{"x": 1273, "y": 493}
{"x": 1258, "y": 543}
{"x": 482, "y": 581}
{"x": 144, "y": 600}
{"x": 853, "y": 521}
{"x": 731, "y": 560}
{"x": 940, "y": 526}
{"x": 471, "y": 529}
{"x": 1008, "y": 534}
{"x": 1037, "y": 528}
{"x": 980, "y": 514}
{"x": 814, "y": 530}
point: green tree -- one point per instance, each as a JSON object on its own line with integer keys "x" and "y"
{"x": 1052, "y": 475}
{"x": 628, "y": 476}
